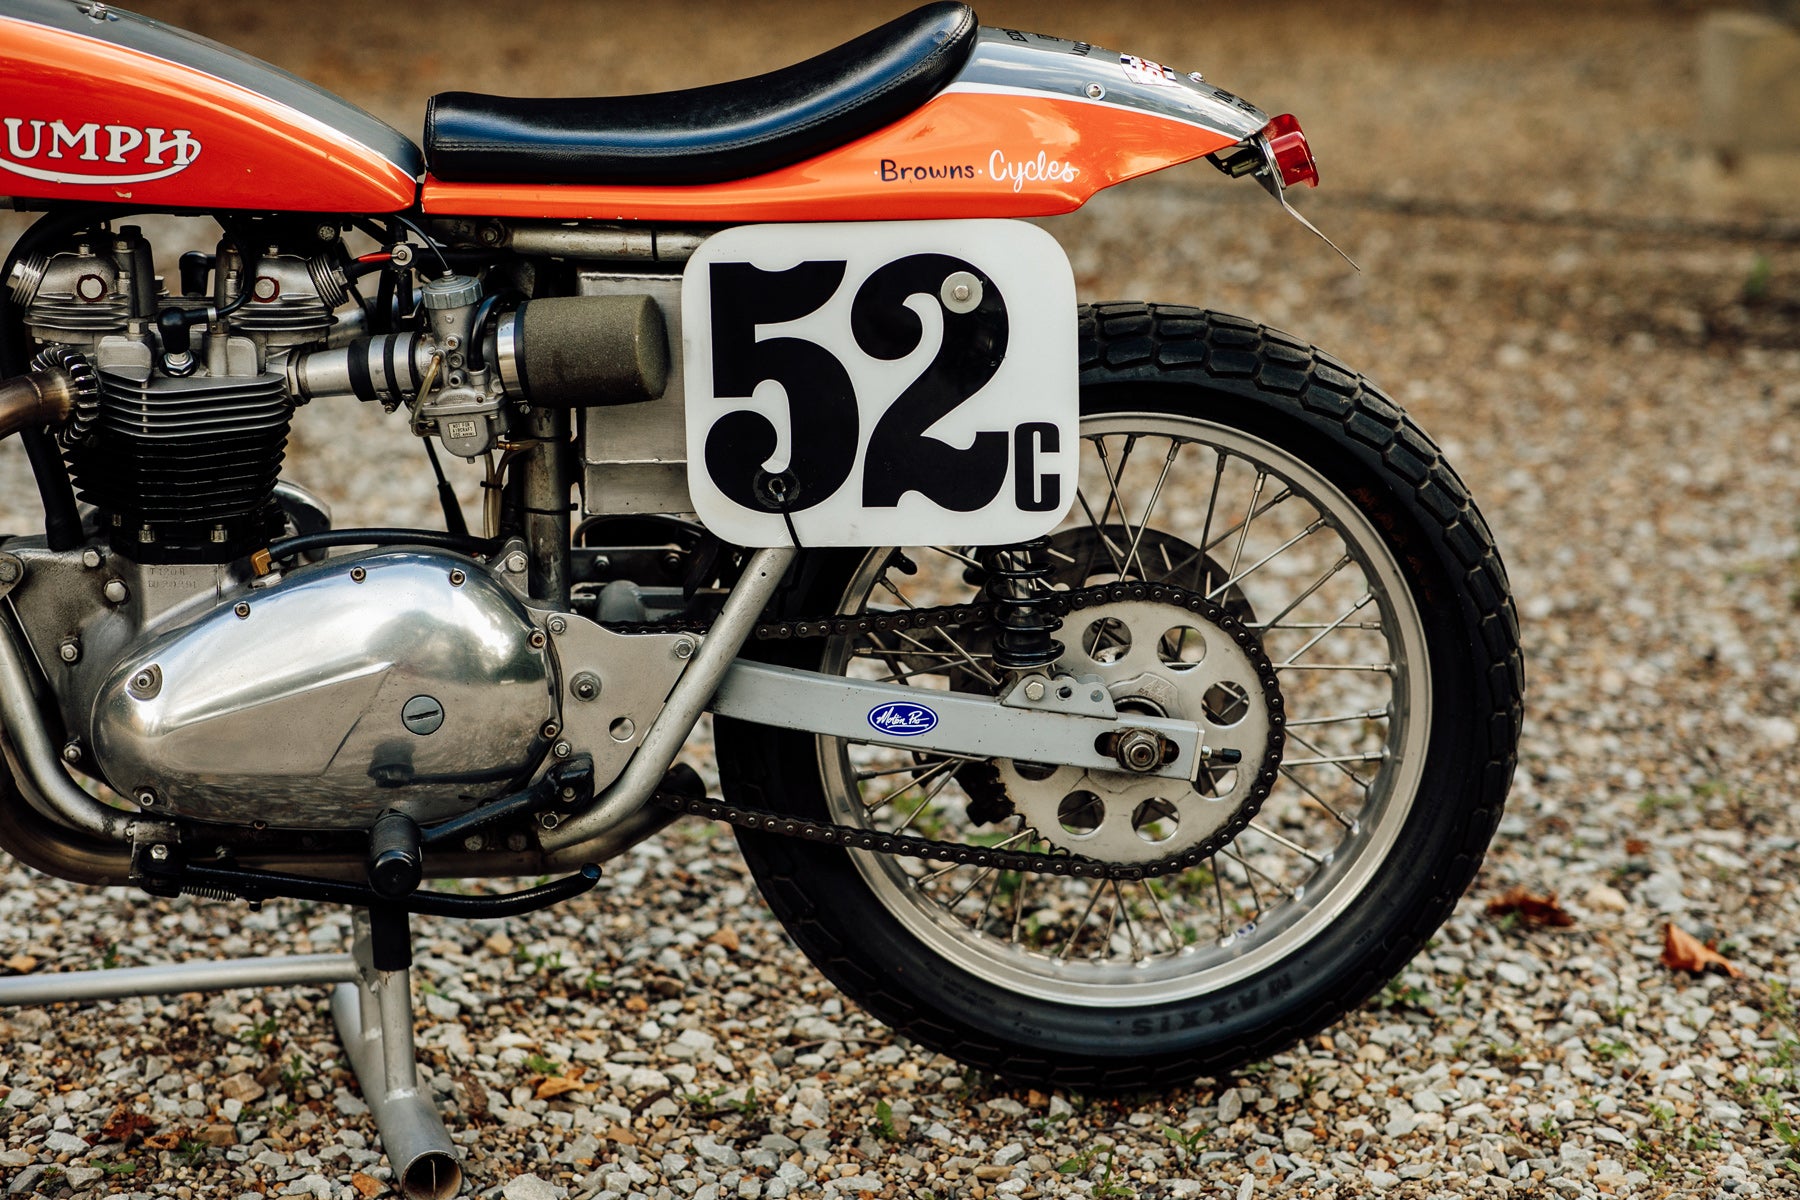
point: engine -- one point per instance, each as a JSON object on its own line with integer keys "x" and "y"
{"x": 205, "y": 678}
{"x": 181, "y": 447}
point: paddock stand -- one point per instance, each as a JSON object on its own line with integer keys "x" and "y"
{"x": 371, "y": 1004}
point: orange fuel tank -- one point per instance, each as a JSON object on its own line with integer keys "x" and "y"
{"x": 102, "y": 105}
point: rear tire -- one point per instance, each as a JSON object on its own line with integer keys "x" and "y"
{"x": 1047, "y": 993}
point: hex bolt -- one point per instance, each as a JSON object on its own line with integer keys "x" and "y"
{"x": 10, "y": 569}
{"x": 159, "y": 852}
{"x": 473, "y": 842}
{"x": 1034, "y": 690}
{"x": 146, "y": 798}
{"x": 585, "y": 686}
{"x": 71, "y": 753}
{"x": 684, "y": 647}
{"x": 242, "y": 609}
{"x": 558, "y": 625}
{"x": 1139, "y": 750}
{"x": 516, "y": 842}
{"x": 562, "y": 750}
{"x": 69, "y": 651}
{"x": 146, "y": 683}
{"x": 515, "y": 563}
{"x": 115, "y": 591}
{"x": 90, "y": 558}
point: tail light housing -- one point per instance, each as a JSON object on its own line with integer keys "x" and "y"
{"x": 1293, "y": 157}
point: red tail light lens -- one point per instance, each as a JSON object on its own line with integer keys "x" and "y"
{"x": 1292, "y": 155}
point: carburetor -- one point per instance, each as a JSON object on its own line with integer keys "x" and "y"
{"x": 463, "y": 382}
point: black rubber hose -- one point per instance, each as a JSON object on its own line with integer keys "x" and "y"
{"x": 306, "y": 543}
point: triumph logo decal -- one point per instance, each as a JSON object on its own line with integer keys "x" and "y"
{"x": 53, "y": 151}
{"x": 902, "y": 718}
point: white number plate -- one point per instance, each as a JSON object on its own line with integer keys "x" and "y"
{"x": 875, "y": 384}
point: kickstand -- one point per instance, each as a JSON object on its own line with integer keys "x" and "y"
{"x": 374, "y": 1017}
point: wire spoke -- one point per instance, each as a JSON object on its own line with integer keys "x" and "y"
{"x": 1367, "y": 599}
{"x": 1285, "y": 844}
{"x": 1100, "y": 533}
{"x": 1174, "y": 938}
{"x": 1131, "y": 555}
{"x": 1373, "y": 714}
{"x": 948, "y": 765}
{"x": 1358, "y": 780}
{"x": 1316, "y": 584}
{"x": 1212, "y": 503}
{"x": 1137, "y": 954}
{"x": 1340, "y": 818}
{"x": 861, "y": 776}
{"x": 937, "y": 787}
{"x": 1237, "y": 555}
{"x": 1272, "y": 556}
{"x": 1080, "y": 926}
{"x": 1266, "y": 877}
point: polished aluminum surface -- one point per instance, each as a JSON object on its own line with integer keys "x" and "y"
{"x": 966, "y": 725}
{"x": 291, "y": 714}
{"x": 374, "y": 1016}
{"x": 168, "y": 979}
{"x": 613, "y": 686}
{"x": 623, "y": 804}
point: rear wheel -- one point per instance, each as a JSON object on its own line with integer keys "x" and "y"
{"x": 1229, "y": 462}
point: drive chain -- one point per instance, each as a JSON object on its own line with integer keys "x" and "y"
{"x": 1062, "y": 604}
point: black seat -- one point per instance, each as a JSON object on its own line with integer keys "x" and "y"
{"x": 708, "y": 134}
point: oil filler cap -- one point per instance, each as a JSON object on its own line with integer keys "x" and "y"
{"x": 423, "y": 715}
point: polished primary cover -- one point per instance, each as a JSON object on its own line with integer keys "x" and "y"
{"x": 391, "y": 679}
{"x": 105, "y": 106}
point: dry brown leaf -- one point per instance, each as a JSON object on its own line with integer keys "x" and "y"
{"x": 637, "y": 1004}
{"x": 1682, "y": 951}
{"x": 123, "y": 1125}
{"x": 621, "y": 1135}
{"x": 165, "y": 1141}
{"x": 556, "y": 1085}
{"x": 24, "y": 964}
{"x": 368, "y": 1185}
{"x": 1533, "y": 910}
{"x": 1636, "y": 847}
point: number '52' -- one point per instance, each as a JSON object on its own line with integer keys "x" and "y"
{"x": 822, "y": 408}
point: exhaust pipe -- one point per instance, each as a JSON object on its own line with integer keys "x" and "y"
{"x": 48, "y": 395}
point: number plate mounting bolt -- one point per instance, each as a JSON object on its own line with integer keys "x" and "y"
{"x": 961, "y": 292}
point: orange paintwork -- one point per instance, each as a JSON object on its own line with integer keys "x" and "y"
{"x": 252, "y": 151}
{"x": 1084, "y": 147}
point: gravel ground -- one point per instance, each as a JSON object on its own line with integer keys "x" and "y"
{"x": 1550, "y": 291}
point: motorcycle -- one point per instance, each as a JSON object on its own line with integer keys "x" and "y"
{"x": 1105, "y": 694}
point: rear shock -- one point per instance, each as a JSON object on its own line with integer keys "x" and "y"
{"x": 1015, "y": 586}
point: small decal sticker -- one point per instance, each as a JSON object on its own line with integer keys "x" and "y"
{"x": 1042, "y": 169}
{"x": 902, "y": 718}
{"x": 1142, "y": 70}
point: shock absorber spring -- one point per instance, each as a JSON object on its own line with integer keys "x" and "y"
{"x": 1016, "y": 587}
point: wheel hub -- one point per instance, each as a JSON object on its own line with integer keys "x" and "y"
{"x": 1157, "y": 659}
